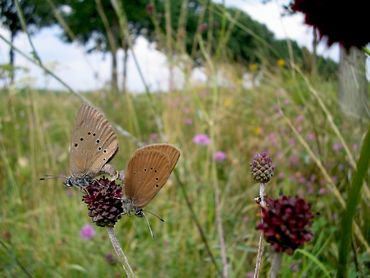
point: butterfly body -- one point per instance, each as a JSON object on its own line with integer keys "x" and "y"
{"x": 147, "y": 172}
{"x": 78, "y": 181}
{"x": 129, "y": 208}
{"x": 93, "y": 144}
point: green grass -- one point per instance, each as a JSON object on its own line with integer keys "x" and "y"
{"x": 40, "y": 222}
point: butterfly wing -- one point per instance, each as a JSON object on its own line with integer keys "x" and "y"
{"x": 171, "y": 152}
{"x": 147, "y": 172}
{"x": 93, "y": 144}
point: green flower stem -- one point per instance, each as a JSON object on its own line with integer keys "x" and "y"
{"x": 260, "y": 242}
{"x": 121, "y": 256}
{"x": 275, "y": 264}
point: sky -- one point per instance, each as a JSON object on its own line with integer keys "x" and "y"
{"x": 84, "y": 71}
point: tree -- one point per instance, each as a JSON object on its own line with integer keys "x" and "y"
{"x": 36, "y": 14}
{"x": 96, "y": 25}
{"x": 228, "y": 34}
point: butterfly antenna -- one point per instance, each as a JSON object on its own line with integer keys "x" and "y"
{"x": 150, "y": 228}
{"x": 49, "y": 177}
{"x": 156, "y": 215}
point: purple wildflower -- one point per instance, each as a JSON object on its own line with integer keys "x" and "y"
{"x": 311, "y": 136}
{"x": 110, "y": 259}
{"x": 293, "y": 160}
{"x": 273, "y": 139}
{"x": 291, "y": 142}
{"x": 201, "y": 139}
{"x": 337, "y": 147}
{"x": 299, "y": 119}
{"x": 188, "y": 121}
{"x": 153, "y": 137}
{"x": 219, "y": 156}
{"x": 87, "y": 232}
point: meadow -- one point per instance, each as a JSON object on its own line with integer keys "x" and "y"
{"x": 291, "y": 111}
{"x": 41, "y": 220}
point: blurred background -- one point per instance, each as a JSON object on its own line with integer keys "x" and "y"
{"x": 221, "y": 80}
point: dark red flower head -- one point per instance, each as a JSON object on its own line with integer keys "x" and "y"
{"x": 149, "y": 8}
{"x": 262, "y": 168}
{"x": 286, "y": 222}
{"x": 104, "y": 201}
{"x": 339, "y": 21}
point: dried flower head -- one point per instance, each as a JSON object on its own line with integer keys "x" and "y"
{"x": 149, "y": 9}
{"x": 261, "y": 167}
{"x": 104, "y": 201}
{"x": 286, "y": 222}
{"x": 339, "y": 21}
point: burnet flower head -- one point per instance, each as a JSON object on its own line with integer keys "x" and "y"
{"x": 104, "y": 202}
{"x": 286, "y": 223}
{"x": 262, "y": 168}
{"x": 338, "y": 21}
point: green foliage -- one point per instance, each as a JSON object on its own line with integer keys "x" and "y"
{"x": 229, "y": 35}
{"x": 36, "y": 13}
{"x": 88, "y": 25}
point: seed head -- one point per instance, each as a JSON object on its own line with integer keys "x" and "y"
{"x": 261, "y": 167}
{"x": 286, "y": 222}
{"x": 104, "y": 202}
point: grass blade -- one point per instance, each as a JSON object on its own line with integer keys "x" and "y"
{"x": 351, "y": 204}
{"x": 315, "y": 261}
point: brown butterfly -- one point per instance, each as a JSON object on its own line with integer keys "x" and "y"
{"x": 147, "y": 172}
{"x": 93, "y": 144}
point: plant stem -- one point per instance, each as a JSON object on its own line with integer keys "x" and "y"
{"x": 259, "y": 257}
{"x": 197, "y": 223}
{"x": 262, "y": 195}
{"x": 121, "y": 256}
{"x": 260, "y": 242}
{"x": 275, "y": 264}
{"x": 225, "y": 272}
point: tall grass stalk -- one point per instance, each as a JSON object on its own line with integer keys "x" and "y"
{"x": 335, "y": 128}
{"x": 120, "y": 12}
{"x": 327, "y": 177}
{"x": 316, "y": 261}
{"x": 215, "y": 182}
{"x": 24, "y": 27}
{"x": 10, "y": 252}
{"x": 120, "y": 129}
{"x": 197, "y": 223}
{"x": 353, "y": 200}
